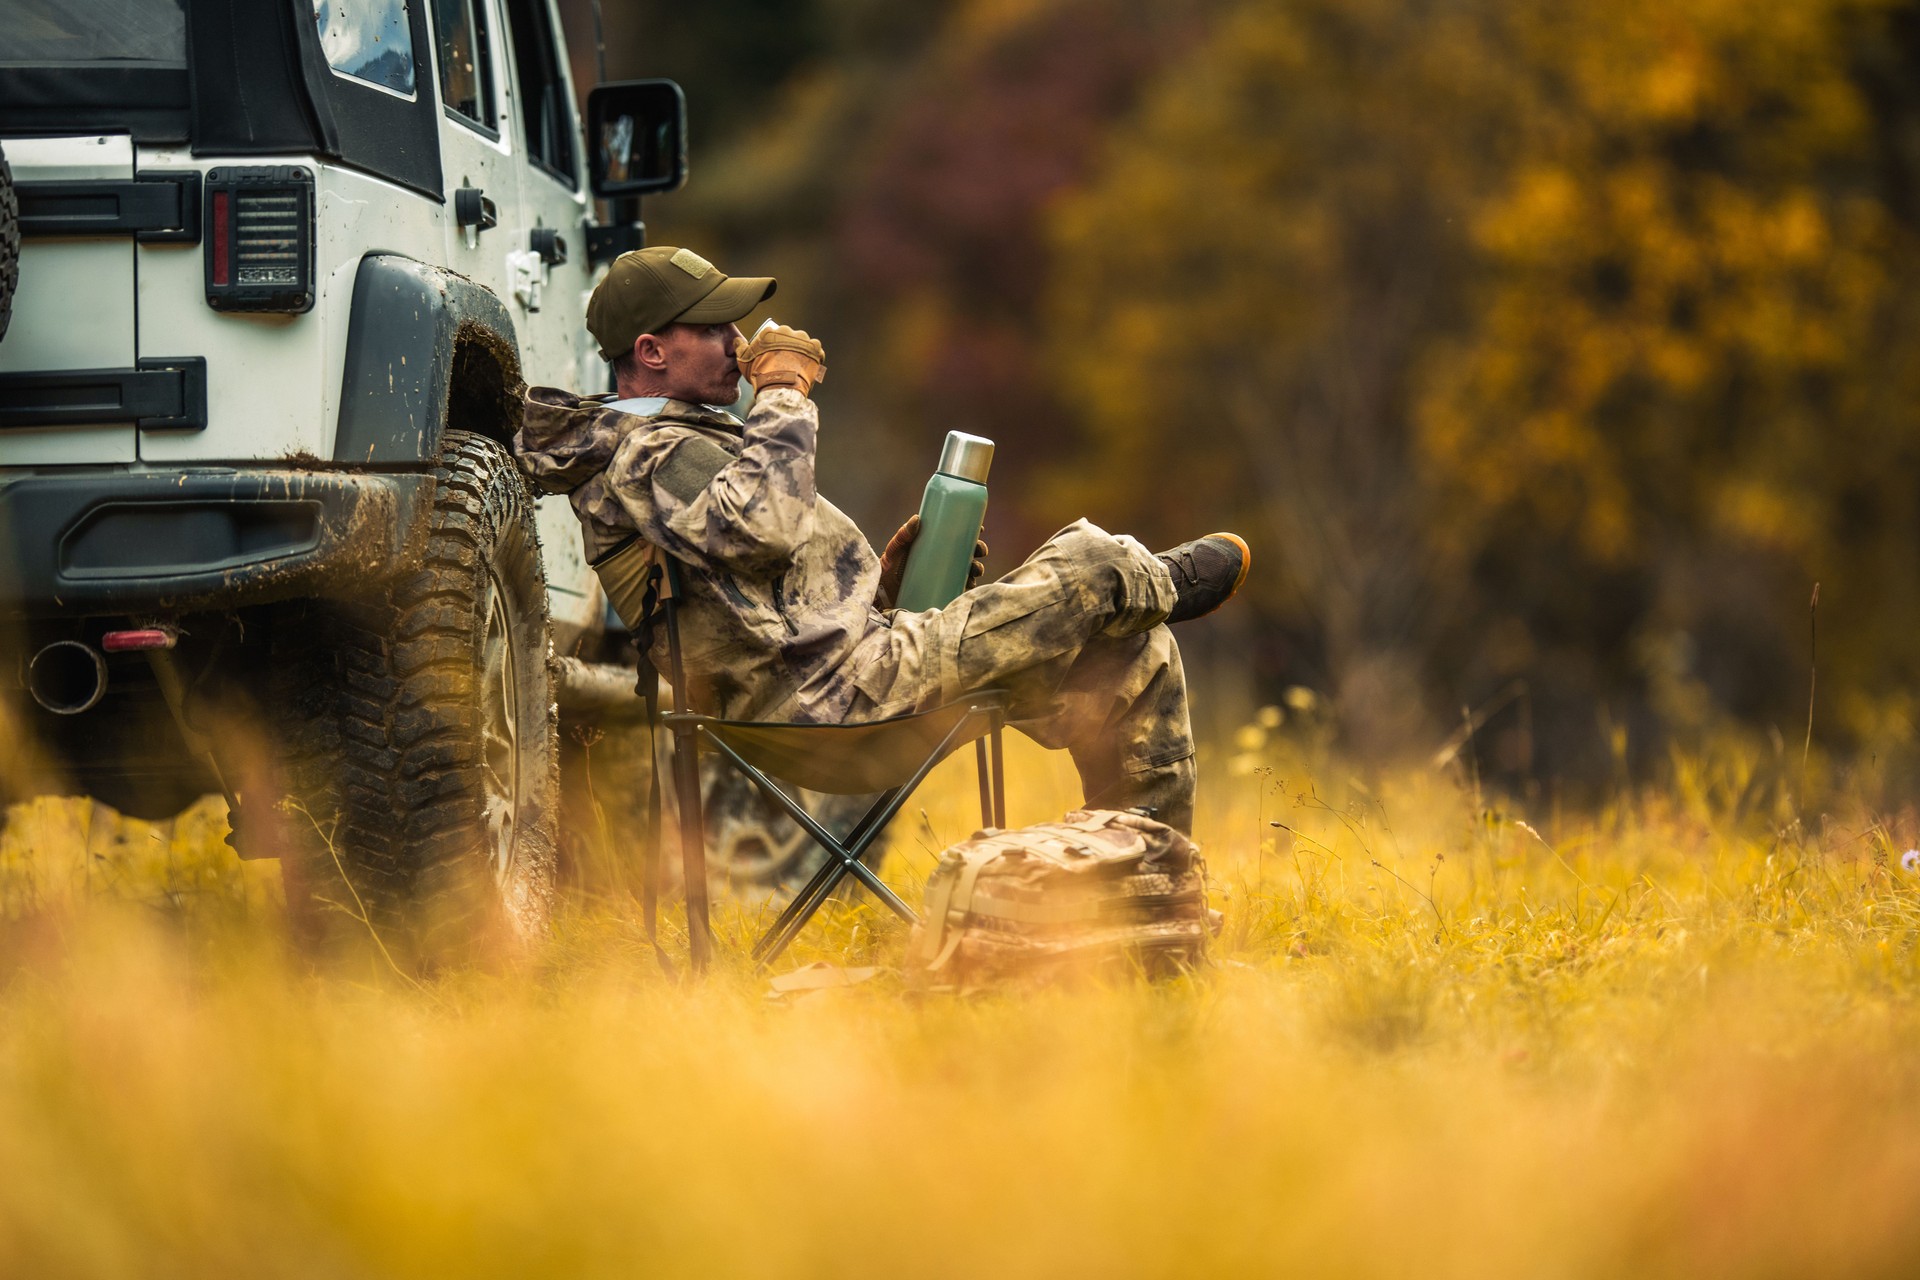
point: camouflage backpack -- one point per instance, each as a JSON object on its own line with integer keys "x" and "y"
{"x": 1099, "y": 891}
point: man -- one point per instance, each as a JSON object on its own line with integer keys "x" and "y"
{"x": 788, "y": 610}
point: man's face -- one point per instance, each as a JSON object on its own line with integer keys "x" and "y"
{"x": 700, "y": 367}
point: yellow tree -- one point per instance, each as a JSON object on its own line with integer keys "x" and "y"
{"x": 1683, "y": 370}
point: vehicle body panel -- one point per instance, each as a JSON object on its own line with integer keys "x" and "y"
{"x": 273, "y": 381}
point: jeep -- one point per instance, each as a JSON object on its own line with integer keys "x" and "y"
{"x": 282, "y": 267}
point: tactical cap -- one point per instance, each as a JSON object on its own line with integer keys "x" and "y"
{"x": 648, "y": 289}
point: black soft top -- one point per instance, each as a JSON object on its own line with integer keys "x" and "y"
{"x": 256, "y": 82}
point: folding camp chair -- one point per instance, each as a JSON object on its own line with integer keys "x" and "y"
{"x": 891, "y": 757}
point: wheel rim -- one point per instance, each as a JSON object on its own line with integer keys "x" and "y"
{"x": 500, "y": 733}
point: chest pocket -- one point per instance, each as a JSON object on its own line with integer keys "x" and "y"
{"x": 691, "y": 467}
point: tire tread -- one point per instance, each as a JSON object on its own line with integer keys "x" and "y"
{"x": 384, "y": 732}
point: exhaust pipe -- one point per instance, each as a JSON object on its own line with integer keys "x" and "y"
{"x": 67, "y": 677}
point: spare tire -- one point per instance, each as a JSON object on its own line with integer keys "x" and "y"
{"x": 9, "y": 243}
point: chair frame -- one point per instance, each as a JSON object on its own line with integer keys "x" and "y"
{"x": 987, "y": 709}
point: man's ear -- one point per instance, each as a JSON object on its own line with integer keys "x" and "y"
{"x": 650, "y": 353}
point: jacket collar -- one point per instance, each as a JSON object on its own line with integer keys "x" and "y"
{"x": 661, "y": 407}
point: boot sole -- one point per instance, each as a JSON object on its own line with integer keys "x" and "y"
{"x": 1246, "y": 560}
{"x": 1247, "y": 563}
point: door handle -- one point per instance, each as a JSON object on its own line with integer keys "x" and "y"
{"x": 549, "y": 244}
{"x": 475, "y": 212}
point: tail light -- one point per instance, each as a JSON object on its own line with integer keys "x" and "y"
{"x": 259, "y": 240}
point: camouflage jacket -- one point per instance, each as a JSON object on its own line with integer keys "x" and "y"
{"x": 780, "y": 583}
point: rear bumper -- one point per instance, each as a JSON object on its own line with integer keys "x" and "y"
{"x": 75, "y": 544}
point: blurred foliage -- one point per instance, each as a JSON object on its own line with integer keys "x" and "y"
{"x": 1678, "y": 1036}
{"x": 1533, "y": 345}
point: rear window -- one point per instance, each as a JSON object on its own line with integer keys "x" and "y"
{"x": 368, "y": 40}
{"x": 41, "y": 31}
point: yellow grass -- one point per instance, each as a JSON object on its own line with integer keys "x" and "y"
{"x": 1670, "y": 1039}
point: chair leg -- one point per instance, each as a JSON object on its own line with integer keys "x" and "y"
{"x": 693, "y": 844}
{"x": 816, "y": 889}
{"x": 803, "y": 907}
{"x": 850, "y": 854}
{"x": 999, "y": 777}
{"x": 844, "y": 856}
{"x": 986, "y": 786}
{"x": 798, "y": 914}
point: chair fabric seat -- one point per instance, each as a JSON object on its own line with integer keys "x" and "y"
{"x": 845, "y": 759}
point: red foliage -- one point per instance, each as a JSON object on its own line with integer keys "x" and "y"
{"x": 956, "y": 198}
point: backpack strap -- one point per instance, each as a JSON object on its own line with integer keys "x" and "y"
{"x": 954, "y": 895}
{"x": 633, "y": 575}
{"x": 650, "y": 850}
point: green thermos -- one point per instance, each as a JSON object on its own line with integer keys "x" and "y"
{"x": 950, "y": 515}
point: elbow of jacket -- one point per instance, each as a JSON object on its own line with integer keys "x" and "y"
{"x": 775, "y": 548}
{"x": 784, "y": 542}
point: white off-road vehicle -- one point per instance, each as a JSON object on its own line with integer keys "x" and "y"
{"x": 282, "y": 266}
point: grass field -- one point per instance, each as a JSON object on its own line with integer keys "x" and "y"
{"x": 1444, "y": 1036}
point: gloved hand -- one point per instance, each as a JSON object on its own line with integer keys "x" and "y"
{"x": 893, "y": 563}
{"x": 782, "y": 357}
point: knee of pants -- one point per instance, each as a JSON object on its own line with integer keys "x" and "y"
{"x": 1117, "y": 568}
{"x": 1090, "y": 545}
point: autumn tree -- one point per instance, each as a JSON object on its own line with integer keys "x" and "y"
{"x": 1547, "y": 342}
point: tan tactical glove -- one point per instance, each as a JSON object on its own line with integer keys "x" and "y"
{"x": 782, "y": 357}
{"x": 893, "y": 563}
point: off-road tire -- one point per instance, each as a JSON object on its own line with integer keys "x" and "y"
{"x": 396, "y": 748}
{"x": 9, "y": 243}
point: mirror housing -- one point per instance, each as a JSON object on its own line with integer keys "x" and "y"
{"x": 636, "y": 138}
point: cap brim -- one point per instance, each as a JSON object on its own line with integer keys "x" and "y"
{"x": 733, "y": 300}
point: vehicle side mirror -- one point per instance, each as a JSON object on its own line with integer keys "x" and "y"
{"x": 636, "y": 138}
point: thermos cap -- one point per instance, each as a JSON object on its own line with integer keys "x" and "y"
{"x": 966, "y": 457}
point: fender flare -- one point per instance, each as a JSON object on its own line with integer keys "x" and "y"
{"x": 412, "y": 327}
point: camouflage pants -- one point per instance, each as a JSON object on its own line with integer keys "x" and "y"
{"x": 1075, "y": 636}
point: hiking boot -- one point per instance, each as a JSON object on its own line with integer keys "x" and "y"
{"x": 1206, "y": 572}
